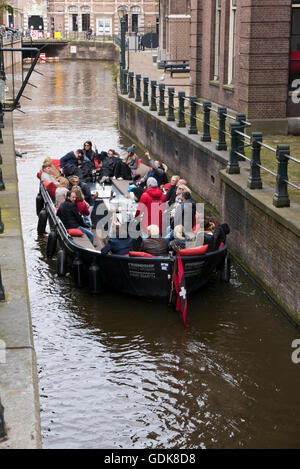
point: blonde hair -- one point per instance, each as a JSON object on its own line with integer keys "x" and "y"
{"x": 153, "y": 231}
{"x": 79, "y": 194}
{"x": 63, "y": 182}
{"x": 184, "y": 188}
{"x": 73, "y": 179}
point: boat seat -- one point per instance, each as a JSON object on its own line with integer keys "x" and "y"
{"x": 84, "y": 242}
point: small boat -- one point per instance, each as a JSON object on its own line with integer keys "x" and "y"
{"x": 131, "y": 274}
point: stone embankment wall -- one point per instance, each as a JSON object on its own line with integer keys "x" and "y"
{"x": 86, "y": 50}
{"x": 264, "y": 239}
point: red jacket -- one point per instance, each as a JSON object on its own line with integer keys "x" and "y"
{"x": 151, "y": 205}
{"x": 82, "y": 208}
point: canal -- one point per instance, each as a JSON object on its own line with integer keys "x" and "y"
{"x": 119, "y": 372}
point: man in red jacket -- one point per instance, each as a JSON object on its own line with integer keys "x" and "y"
{"x": 152, "y": 205}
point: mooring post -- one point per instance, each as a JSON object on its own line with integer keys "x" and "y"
{"x": 221, "y": 145}
{"x": 2, "y": 185}
{"x": 162, "y": 111}
{"x": 138, "y": 97}
{"x": 181, "y": 116}
{"x": 254, "y": 180}
{"x": 1, "y": 223}
{"x": 233, "y": 165}
{"x": 125, "y": 77}
{"x": 146, "y": 93}
{"x": 2, "y": 291}
{"x": 171, "y": 114}
{"x": 2, "y": 423}
{"x": 153, "y": 106}
{"x": 241, "y": 119}
{"x": 193, "y": 115}
{"x": 1, "y": 117}
{"x": 131, "y": 85}
{"x": 281, "y": 196}
{"x": 206, "y": 122}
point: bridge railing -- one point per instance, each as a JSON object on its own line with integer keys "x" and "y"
{"x": 228, "y": 132}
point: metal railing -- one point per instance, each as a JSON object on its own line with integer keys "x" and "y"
{"x": 228, "y": 127}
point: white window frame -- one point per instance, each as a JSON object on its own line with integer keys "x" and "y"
{"x": 217, "y": 45}
{"x": 105, "y": 21}
{"x": 232, "y": 42}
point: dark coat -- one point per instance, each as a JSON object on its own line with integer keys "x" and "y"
{"x": 68, "y": 160}
{"x": 171, "y": 195}
{"x": 155, "y": 246}
{"x": 69, "y": 215}
{"x": 118, "y": 246}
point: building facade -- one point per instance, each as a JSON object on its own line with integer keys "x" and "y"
{"x": 244, "y": 54}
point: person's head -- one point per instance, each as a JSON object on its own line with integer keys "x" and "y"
{"x": 74, "y": 180}
{"x": 181, "y": 188}
{"x": 79, "y": 194}
{"x": 179, "y": 232}
{"x": 151, "y": 182}
{"x": 110, "y": 153}
{"x": 78, "y": 154}
{"x": 213, "y": 223}
{"x": 71, "y": 195}
{"x": 46, "y": 168}
{"x": 153, "y": 231}
{"x": 186, "y": 195}
{"x": 131, "y": 149}
{"x": 87, "y": 145}
{"x": 174, "y": 180}
{"x": 182, "y": 181}
{"x": 63, "y": 182}
{"x": 47, "y": 161}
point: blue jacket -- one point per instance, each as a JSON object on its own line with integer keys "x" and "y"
{"x": 68, "y": 160}
{"x": 118, "y": 246}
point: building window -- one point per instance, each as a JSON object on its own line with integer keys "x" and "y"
{"x": 216, "y": 74}
{"x": 85, "y": 21}
{"x": 104, "y": 26}
{"x": 232, "y": 42}
{"x": 295, "y": 45}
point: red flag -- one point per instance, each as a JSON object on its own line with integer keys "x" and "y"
{"x": 179, "y": 286}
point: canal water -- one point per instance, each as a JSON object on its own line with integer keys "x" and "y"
{"x": 119, "y": 372}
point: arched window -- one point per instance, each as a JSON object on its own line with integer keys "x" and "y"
{"x": 217, "y": 45}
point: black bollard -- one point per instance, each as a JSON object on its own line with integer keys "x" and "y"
{"x": 61, "y": 266}
{"x": 39, "y": 203}
{"x": 42, "y": 222}
{"x": 78, "y": 274}
{"x": 51, "y": 244}
{"x": 1, "y": 224}
{"x": 1, "y": 160}
{"x": 2, "y": 423}
{"x": 95, "y": 279}
{"x": 2, "y": 292}
{"x": 2, "y": 185}
{"x": 1, "y": 117}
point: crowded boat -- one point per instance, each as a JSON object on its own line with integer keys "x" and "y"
{"x": 122, "y": 222}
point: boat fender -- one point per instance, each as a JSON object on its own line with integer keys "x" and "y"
{"x": 42, "y": 222}
{"x": 39, "y": 203}
{"x": 225, "y": 269}
{"x": 78, "y": 273}
{"x": 51, "y": 244}
{"x": 61, "y": 262}
{"x": 95, "y": 279}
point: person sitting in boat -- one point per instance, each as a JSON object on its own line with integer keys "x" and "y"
{"x": 151, "y": 205}
{"x": 46, "y": 175}
{"x": 158, "y": 171}
{"x": 108, "y": 167}
{"x": 135, "y": 192}
{"x": 126, "y": 169}
{"x": 182, "y": 240}
{"x": 185, "y": 213}
{"x": 120, "y": 242}
{"x": 89, "y": 152}
{"x": 69, "y": 163}
{"x": 61, "y": 191}
{"x": 70, "y": 216}
{"x": 75, "y": 181}
{"x": 54, "y": 172}
{"x": 82, "y": 206}
{"x": 171, "y": 192}
{"x": 154, "y": 244}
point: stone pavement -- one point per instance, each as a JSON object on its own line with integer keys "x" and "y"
{"x": 141, "y": 62}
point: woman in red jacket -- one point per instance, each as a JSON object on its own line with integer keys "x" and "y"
{"x": 152, "y": 205}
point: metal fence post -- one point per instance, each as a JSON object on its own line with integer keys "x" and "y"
{"x": 171, "y": 115}
{"x": 241, "y": 119}
{"x": 181, "y": 117}
{"x": 254, "y": 180}
{"x": 221, "y": 145}
{"x": 2, "y": 291}
{"x": 131, "y": 85}
{"x": 193, "y": 114}
{"x": 162, "y": 111}
{"x": 1, "y": 117}
{"x": 125, "y": 76}
{"x": 138, "y": 97}
{"x": 206, "y": 122}
{"x": 146, "y": 97}
{"x": 1, "y": 223}
{"x": 153, "y": 106}
{"x": 281, "y": 196}
{"x": 2, "y": 185}
{"x": 233, "y": 165}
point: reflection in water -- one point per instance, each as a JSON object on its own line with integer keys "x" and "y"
{"x": 120, "y": 372}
